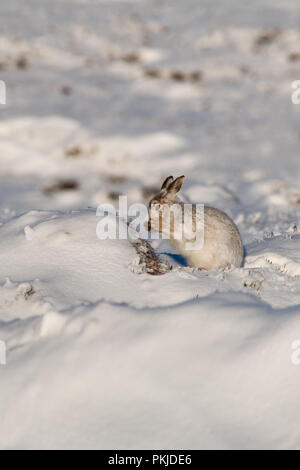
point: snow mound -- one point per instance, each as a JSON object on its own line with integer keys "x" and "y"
{"x": 89, "y": 338}
{"x": 207, "y": 373}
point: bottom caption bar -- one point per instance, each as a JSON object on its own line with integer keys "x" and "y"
{"x": 141, "y": 459}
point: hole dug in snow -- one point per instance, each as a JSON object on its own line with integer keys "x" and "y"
{"x": 25, "y": 290}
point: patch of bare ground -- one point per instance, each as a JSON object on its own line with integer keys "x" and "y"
{"x": 147, "y": 260}
{"x": 149, "y": 191}
{"x": 179, "y": 76}
{"x": 117, "y": 179}
{"x": 66, "y": 90}
{"x": 61, "y": 185}
{"x": 20, "y": 62}
{"x": 175, "y": 75}
{"x": 294, "y": 57}
{"x": 265, "y": 38}
{"x": 79, "y": 151}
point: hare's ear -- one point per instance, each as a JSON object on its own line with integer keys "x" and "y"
{"x": 175, "y": 187}
{"x": 167, "y": 182}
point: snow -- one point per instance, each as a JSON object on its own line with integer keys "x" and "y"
{"x": 107, "y": 99}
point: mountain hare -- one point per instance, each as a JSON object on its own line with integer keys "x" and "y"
{"x": 220, "y": 241}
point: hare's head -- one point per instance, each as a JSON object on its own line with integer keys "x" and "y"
{"x": 163, "y": 200}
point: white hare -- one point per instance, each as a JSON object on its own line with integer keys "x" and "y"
{"x": 220, "y": 241}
